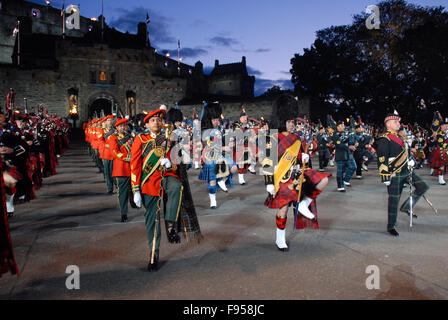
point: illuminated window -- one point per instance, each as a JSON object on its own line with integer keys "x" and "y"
{"x": 103, "y": 76}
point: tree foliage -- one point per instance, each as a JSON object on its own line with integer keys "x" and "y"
{"x": 403, "y": 65}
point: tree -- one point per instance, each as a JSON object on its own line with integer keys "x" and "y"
{"x": 372, "y": 72}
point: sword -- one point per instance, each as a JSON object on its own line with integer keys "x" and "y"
{"x": 430, "y": 204}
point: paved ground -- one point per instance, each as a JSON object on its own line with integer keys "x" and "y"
{"x": 73, "y": 222}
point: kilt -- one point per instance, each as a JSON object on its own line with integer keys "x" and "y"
{"x": 439, "y": 159}
{"x": 14, "y": 172}
{"x": 285, "y": 195}
{"x": 208, "y": 172}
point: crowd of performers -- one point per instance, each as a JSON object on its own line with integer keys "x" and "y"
{"x": 146, "y": 161}
{"x": 30, "y": 145}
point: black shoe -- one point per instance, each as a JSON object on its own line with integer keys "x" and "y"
{"x": 124, "y": 218}
{"x": 283, "y": 249}
{"x": 173, "y": 237}
{"x": 10, "y": 214}
{"x": 110, "y": 192}
{"x": 154, "y": 266}
{"x": 393, "y": 232}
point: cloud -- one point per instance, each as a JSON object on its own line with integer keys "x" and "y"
{"x": 262, "y": 50}
{"x": 158, "y": 25}
{"x": 261, "y": 85}
{"x": 223, "y": 41}
{"x": 187, "y": 52}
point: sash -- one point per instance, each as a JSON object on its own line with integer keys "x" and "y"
{"x": 396, "y": 139}
{"x": 152, "y": 154}
{"x": 285, "y": 163}
{"x": 109, "y": 133}
{"x": 398, "y": 162}
{"x": 123, "y": 140}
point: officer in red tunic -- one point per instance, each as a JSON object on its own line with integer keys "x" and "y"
{"x": 106, "y": 152}
{"x": 120, "y": 143}
{"x": 153, "y": 176}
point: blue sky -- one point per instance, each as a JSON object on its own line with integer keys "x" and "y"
{"x": 267, "y": 32}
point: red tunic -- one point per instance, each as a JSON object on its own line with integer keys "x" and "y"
{"x": 122, "y": 159}
{"x": 152, "y": 185}
{"x": 107, "y": 151}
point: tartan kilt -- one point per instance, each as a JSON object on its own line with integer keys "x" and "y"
{"x": 285, "y": 195}
{"x": 207, "y": 172}
{"x": 303, "y": 223}
{"x": 14, "y": 172}
{"x": 439, "y": 159}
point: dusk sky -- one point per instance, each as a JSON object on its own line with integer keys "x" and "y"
{"x": 267, "y": 32}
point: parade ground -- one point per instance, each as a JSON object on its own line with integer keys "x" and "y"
{"x": 74, "y": 222}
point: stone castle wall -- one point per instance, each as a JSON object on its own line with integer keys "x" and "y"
{"x": 133, "y": 72}
{"x": 49, "y": 22}
{"x": 254, "y": 109}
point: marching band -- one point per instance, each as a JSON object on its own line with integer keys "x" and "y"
{"x": 148, "y": 160}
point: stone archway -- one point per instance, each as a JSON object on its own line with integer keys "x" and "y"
{"x": 99, "y": 102}
{"x": 98, "y": 106}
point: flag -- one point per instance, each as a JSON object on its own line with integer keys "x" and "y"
{"x": 178, "y": 44}
{"x": 63, "y": 9}
{"x": 147, "y": 18}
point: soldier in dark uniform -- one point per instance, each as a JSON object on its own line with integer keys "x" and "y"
{"x": 323, "y": 143}
{"x": 393, "y": 166}
{"x": 361, "y": 152}
{"x": 345, "y": 145}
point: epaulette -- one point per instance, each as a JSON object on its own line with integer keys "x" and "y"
{"x": 140, "y": 137}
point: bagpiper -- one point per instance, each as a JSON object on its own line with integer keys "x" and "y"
{"x": 440, "y": 153}
{"x": 217, "y": 168}
{"x": 290, "y": 182}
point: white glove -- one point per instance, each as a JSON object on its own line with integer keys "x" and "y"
{"x": 387, "y": 183}
{"x": 138, "y": 199}
{"x": 411, "y": 163}
{"x": 271, "y": 189}
{"x": 305, "y": 158}
{"x": 166, "y": 163}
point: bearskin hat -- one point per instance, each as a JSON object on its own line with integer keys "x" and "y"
{"x": 212, "y": 110}
{"x": 174, "y": 115}
{"x": 285, "y": 108}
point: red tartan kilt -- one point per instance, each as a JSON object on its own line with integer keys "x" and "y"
{"x": 285, "y": 195}
{"x": 13, "y": 172}
{"x": 438, "y": 160}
